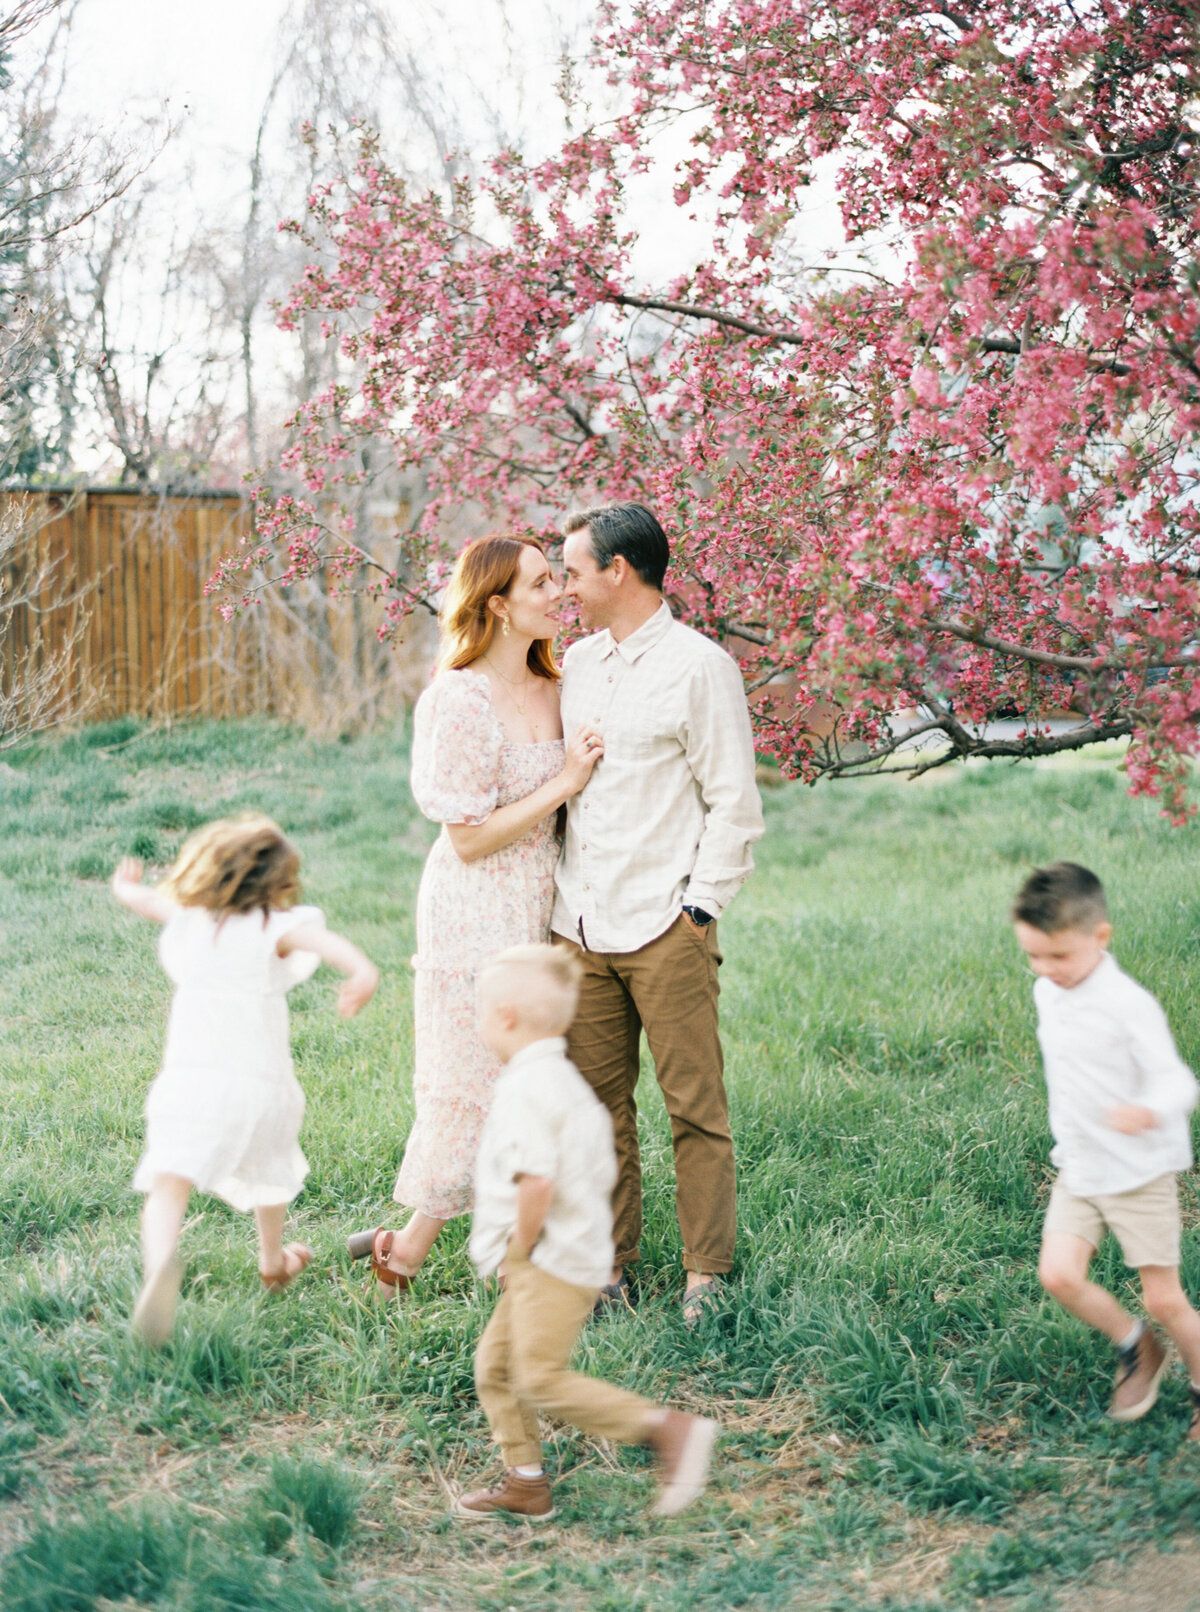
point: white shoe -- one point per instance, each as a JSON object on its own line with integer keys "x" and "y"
{"x": 684, "y": 1446}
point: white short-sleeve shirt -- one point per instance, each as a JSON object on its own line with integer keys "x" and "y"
{"x": 546, "y": 1120}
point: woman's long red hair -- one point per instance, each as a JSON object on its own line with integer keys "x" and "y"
{"x": 486, "y": 567}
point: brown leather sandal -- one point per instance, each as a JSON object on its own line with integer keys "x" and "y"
{"x": 301, "y": 1254}
{"x": 391, "y": 1282}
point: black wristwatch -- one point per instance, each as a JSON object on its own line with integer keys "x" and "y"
{"x": 699, "y": 916}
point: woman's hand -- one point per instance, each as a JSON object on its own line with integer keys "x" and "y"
{"x": 583, "y": 752}
{"x": 508, "y": 823}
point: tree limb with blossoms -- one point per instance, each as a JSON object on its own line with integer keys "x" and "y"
{"x": 954, "y": 475}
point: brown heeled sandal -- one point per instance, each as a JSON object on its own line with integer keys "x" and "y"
{"x": 390, "y": 1282}
{"x": 360, "y": 1243}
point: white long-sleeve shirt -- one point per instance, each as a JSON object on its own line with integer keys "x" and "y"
{"x": 671, "y": 811}
{"x": 1105, "y": 1042}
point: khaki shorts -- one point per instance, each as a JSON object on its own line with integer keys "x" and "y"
{"x": 1145, "y": 1222}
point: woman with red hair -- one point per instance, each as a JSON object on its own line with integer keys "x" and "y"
{"x": 490, "y": 765}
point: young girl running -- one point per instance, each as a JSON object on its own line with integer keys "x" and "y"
{"x": 224, "y": 1113}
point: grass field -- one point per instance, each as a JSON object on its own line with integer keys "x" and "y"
{"x": 909, "y": 1425}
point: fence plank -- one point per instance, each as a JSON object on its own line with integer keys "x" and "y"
{"x": 142, "y": 637}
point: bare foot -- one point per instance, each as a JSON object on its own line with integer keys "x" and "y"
{"x": 293, "y": 1259}
{"x": 154, "y": 1312}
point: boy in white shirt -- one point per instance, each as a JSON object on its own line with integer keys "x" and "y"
{"x": 1119, "y": 1103}
{"x": 543, "y": 1206}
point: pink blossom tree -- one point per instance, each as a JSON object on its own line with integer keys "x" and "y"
{"x": 960, "y": 481}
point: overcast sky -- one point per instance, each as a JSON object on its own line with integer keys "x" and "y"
{"x": 207, "y": 67}
{"x": 204, "y": 69}
{"x": 207, "y": 64}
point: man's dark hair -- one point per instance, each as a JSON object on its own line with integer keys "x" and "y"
{"x": 1061, "y": 896}
{"x": 630, "y": 530}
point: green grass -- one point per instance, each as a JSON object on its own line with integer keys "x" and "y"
{"x": 909, "y": 1423}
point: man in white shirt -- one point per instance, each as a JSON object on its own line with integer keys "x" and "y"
{"x": 656, "y": 846}
{"x": 1120, "y": 1097}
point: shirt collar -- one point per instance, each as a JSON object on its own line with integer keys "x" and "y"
{"x": 1100, "y": 978}
{"x": 643, "y": 639}
{"x": 553, "y": 1046}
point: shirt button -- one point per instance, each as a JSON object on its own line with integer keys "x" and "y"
{"x": 587, "y": 887}
{"x": 583, "y": 847}
{"x": 610, "y": 677}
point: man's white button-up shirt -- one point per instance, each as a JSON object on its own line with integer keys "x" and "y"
{"x": 671, "y": 811}
{"x": 1106, "y": 1042}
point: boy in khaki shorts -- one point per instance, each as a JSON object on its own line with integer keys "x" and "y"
{"x": 1119, "y": 1103}
{"x": 543, "y": 1206}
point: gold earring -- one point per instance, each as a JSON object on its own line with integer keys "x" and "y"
{"x": 504, "y": 627}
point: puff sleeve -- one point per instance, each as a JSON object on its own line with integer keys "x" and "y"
{"x": 456, "y": 750}
{"x": 297, "y": 966}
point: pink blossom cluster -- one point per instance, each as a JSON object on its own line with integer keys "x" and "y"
{"x": 966, "y": 486}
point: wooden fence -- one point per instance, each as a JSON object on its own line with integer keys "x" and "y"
{"x": 104, "y": 589}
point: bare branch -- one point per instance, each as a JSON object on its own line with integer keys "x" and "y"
{"x": 965, "y": 746}
{"x": 24, "y": 18}
{"x": 1046, "y": 657}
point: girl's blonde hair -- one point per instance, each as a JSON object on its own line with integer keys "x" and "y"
{"x": 487, "y": 566}
{"x": 235, "y": 865}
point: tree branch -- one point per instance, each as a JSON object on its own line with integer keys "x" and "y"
{"x": 972, "y": 747}
{"x": 1010, "y": 345}
{"x": 1046, "y": 657}
{"x": 716, "y": 315}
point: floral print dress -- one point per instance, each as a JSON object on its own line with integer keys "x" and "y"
{"x": 463, "y": 768}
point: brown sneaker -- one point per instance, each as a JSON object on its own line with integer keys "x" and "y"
{"x": 1138, "y": 1371}
{"x": 1193, "y": 1431}
{"x": 683, "y": 1445}
{"x": 513, "y": 1496}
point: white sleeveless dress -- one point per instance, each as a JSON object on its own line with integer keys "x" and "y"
{"x": 225, "y": 1109}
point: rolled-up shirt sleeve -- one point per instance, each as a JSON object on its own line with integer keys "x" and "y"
{"x": 720, "y": 752}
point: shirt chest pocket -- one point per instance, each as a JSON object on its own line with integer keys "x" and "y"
{"x": 644, "y": 718}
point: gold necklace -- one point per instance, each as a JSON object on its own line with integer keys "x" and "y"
{"x": 526, "y": 685}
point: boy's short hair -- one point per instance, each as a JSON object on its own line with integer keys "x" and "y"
{"x": 1061, "y": 896}
{"x": 541, "y": 982}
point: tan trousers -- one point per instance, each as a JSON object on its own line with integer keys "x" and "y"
{"x": 670, "y": 989}
{"x": 521, "y": 1366}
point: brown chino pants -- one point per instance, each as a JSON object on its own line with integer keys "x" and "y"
{"x": 669, "y": 988}
{"x": 521, "y": 1367}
